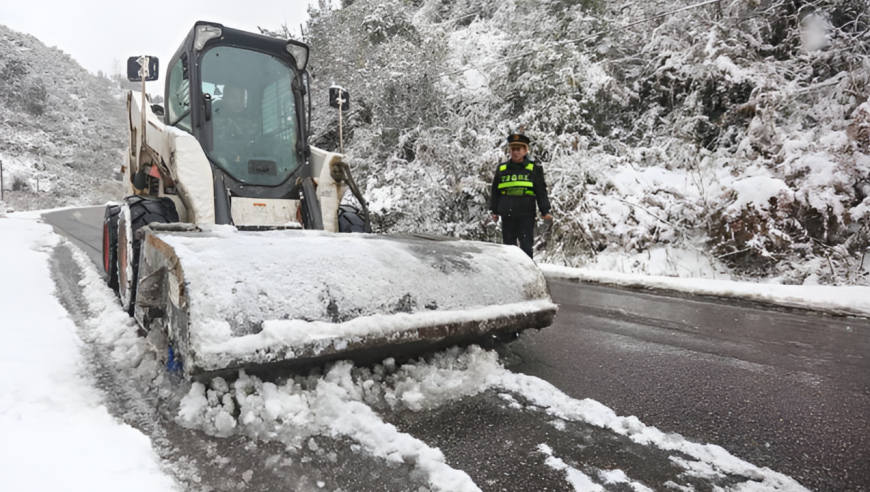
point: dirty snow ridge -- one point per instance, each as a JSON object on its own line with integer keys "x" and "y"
{"x": 291, "y": 414}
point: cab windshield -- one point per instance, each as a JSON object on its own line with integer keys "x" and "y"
{"x": 253, "y": 115}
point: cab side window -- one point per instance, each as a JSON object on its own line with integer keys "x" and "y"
{"x": 179, "y": 96}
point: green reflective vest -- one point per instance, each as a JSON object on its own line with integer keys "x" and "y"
{"x": 520, "y": 182}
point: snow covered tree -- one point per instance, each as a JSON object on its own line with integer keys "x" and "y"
{"x": 724, "y": 130}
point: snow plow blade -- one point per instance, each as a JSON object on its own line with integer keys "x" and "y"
{"x": 229, "y": 299}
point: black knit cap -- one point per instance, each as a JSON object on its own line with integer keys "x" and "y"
{"x": 518, "y": 138}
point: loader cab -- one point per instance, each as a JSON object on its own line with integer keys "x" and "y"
{"x": 241, "y": 95}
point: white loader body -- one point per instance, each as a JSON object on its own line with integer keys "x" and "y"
{"x": 189, "y": 168}
{"x": 229, "y": 253}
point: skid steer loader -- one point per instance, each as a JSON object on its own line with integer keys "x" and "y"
{"x": 232, "y": 250}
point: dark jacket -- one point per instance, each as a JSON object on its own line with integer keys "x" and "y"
{"x": 507, "y": 199}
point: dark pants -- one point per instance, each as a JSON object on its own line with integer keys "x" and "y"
{"x": 519, "y": 228}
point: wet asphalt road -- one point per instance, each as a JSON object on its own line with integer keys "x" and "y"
{"x": 783, "y": 389}
{"x": 786, "y": 390}
{"x": 82, "y": 226}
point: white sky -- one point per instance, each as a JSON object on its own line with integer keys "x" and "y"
{"x": 96, "y": 33}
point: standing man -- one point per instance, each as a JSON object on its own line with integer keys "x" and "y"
{"x": 519, "y": 185}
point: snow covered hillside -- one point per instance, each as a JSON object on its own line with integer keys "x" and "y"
{"x": 713, "y": 139}
{"x": 727, "y": 138}
{"x": 62, "y": 129}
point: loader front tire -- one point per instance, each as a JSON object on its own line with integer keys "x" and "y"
{"x": 350, "y": 219}
{"x": 110, "y": 245}
{"x": 139, "y": 212}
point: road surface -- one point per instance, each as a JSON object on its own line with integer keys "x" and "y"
{"x": 786, "y": 390}
{"x": 778, "y": 388}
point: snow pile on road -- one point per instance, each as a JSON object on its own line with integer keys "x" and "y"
{"x": 583, "y": 482}
{"x": 843, "y": 300}
{"x": 700, "y": 460}
{"x": 344, "y": 402}
{"x": 293, "y": 414}
{"x": 51, "y": 416}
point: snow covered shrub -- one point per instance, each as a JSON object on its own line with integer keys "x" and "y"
{"x": 34, "y": 98}
{"x": 756, "y": 228}
{"x": 730, "y": 130}
{"x": 387, "y": 21}
{"x": 859, "y": 128}
{"x": 19, "y": 90}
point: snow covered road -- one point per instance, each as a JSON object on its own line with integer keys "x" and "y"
{"x": 347, "y": 429}
{"x": 55, "y": 431}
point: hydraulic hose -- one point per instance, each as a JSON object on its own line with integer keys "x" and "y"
{"x": 356, "y": 193}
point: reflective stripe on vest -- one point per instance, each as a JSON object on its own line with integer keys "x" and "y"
{"x": 529, "y": 167}
{"x": 517, "y": 191}
{"x": 516, "y": 184}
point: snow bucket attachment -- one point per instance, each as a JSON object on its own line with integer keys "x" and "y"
{"x": 229, "y": 299}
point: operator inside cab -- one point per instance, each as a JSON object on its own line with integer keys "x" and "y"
{"x": 235, "y": 128}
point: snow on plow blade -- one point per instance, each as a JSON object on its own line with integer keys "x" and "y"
{"x": 231, "y": 300}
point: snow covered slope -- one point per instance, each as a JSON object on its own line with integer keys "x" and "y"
{"x": 731, "y": 137}
{"x": 62, "y": 129}
{"x": 732, "y": 134}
